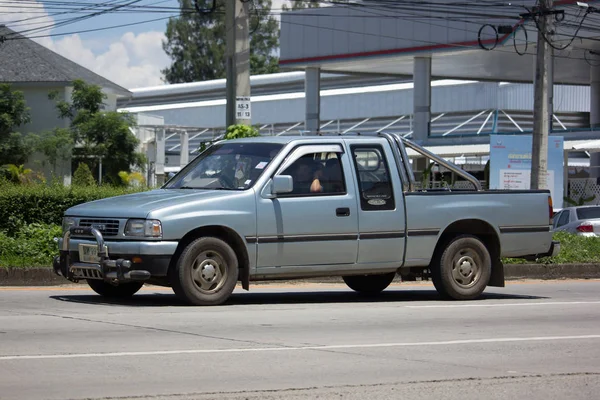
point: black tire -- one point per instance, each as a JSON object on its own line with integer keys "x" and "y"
{"x": 206, "y": 272}
{"x": 369, "y": 284}
{"x": 463, "y": 269}
{"x": 122, "y": 291}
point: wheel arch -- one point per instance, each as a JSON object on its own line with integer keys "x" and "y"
{"x": 486, "y": 233}
{"x": 224, "y": 233}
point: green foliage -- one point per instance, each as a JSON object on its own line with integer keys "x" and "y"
{"x": 55, "y": 145}
{"x": 46, "y": 204}
{"x": 196, "y": 42}
{"x": 132, "y": 179}
{"x": 240, "y": 131}
{"x": 13, "y": 110}
{"x": 31, "y": 246}
{"x": 83, "y": 176}
{"x": 86, "y": 100}
{"x": 19, "y": 174}
{"x": 15, "y": 148}
{"x": 574, "y": 249}
{"x": 100, "y": 134}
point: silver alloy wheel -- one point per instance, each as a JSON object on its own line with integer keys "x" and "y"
{"x": 209, "y": 272}
{"x": 466, "y": 268}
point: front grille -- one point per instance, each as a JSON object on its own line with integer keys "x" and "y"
{"x": 107, "y": 227}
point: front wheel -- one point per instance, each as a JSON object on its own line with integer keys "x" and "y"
{"x": 121, "y": 291}
{"x": 463, "y": 269}
{"x": 369, "y": 284}
{"x": 206, "y": 272}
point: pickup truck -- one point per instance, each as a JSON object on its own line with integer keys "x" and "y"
{"x": 295, "y": 207}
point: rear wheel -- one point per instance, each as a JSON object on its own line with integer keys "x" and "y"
{"x": 123, "y": 290}
{"x": 206, "y": 272}
{"x": 462, "y": 271}
{"x": 369, "y": 284}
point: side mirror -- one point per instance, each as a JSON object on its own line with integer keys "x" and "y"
{"x": 282, "y": 184}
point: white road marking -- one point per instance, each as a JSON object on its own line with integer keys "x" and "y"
{"x": 549, "y": 303}
{"x": 302, "y": 348}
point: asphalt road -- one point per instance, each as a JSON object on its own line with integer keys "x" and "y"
{"x": 534, "y": 340}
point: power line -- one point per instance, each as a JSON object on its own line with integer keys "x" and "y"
{"x": 411, "y": 15}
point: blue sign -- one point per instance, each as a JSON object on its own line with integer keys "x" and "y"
{"x": 510, "y": 164}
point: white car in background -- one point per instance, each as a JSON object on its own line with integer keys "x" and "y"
{"x": 582, "y": 220}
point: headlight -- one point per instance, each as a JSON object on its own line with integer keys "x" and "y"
{"x": 67, "y": 222}
{"x": 143, "y": 228}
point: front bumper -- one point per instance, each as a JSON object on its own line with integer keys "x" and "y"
{"x": 128, "y": 261}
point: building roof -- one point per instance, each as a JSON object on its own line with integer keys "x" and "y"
{"x": 24, "y": 61}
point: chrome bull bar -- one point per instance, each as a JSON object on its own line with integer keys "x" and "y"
{"x": 113, "y": 271}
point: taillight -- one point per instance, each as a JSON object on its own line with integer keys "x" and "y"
{"x": 585, "y": 227}
{"x": 550, "y": 209}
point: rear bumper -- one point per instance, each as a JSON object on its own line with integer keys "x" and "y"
{"x": 126, "y": 263}
{"x": 552, "y": 252}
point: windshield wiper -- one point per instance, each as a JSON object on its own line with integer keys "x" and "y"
{"x": 204, "y": 188}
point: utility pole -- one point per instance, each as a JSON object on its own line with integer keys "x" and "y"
{"x": 541, "y": 112}
{"x": 238, "y": 109}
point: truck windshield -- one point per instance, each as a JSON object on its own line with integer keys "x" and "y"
{"x": 226, "y": 166}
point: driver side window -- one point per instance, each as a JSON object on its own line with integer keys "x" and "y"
{"x": 317, "y": 174}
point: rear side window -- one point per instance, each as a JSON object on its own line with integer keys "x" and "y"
{"x": 374, "y": 183}
{"x": 588, "y": 213}
{"x": 564, "y": 218}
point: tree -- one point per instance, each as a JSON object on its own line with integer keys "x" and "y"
{"x": 196, "y": 41}
{"x": 13, "y": 110}
{"x": 15, "y": 148}
{"x": 83, "y": 176}
{"x": 55, "y": 145}
{"x": 100, "y": 134}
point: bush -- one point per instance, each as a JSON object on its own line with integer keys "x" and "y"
{"x": 83, "y": 176}
{"x": 240, "y": 131}
{"x": 574, "y": 249}
{"x": 41, "y": 204}
{"x": 32, "y": 246}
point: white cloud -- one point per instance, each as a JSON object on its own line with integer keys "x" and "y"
{"x": 130, "y": 61}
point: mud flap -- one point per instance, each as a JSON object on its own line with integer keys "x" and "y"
{"x": 245, "y": 278}
{"x": 497, "y": 276}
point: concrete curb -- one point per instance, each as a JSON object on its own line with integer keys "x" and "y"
{"x": 46, "y": 277}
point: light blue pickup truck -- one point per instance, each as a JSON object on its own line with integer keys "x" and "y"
{"x": 290, "y": 207}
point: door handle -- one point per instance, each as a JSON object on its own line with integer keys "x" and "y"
{"x": 342, "y": 212}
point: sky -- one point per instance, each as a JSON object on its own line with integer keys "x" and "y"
{"x": 130, "y": 56}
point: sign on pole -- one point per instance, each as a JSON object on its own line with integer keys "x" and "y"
{"x": 243, "y": 109}
{"x": 510, "y": 164}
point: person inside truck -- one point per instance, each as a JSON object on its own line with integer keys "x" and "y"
{"x": 333, "y": 179}
{"x": 307, "y": 174}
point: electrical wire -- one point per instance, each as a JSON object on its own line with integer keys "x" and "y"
{"x": 524, "y": 28}
{"x": 542, "y": 32}
{"x": 590, "y": 63}
{"x": 133, "y": 6}
{"x": 480, "y": 42}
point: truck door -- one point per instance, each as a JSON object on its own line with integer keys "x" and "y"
{"x": 304, "y": 227}
{"x": 381, "y": 214}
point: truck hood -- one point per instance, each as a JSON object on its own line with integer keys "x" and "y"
{"x": 138, "y": 205}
